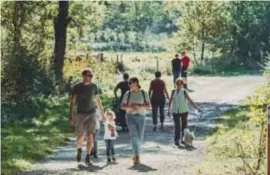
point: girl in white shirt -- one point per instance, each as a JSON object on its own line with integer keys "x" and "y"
{"x": 110, "y": 135}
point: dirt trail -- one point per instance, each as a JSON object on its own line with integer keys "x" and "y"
{"x": 160, "y": 156}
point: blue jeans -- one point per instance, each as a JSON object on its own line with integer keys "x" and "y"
{"x": 109, "y": 148}
{"x": 176, "y": 74}
{"x": 136, "y": 126}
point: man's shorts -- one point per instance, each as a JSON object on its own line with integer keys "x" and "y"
{"x": 184, "y": 73}
{"x": 85, "y": 123}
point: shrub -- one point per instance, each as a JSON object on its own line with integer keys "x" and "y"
{"x": 244, "y": 138}
{"x": 223, "y": 65}
{"x": 103, "y": 71}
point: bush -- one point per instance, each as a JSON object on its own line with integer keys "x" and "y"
{"x": 223, "y": 65}
{"x": 103, "y": 71}
{"x": 244, "y": 135}
{"x": 119, "y": 46}
{"x": 169, "y": 70}
{"x": 200, "y": 69}
{"x": 23, "y": 76}
{"x": 266, "y": 66}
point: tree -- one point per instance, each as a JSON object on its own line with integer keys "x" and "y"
{"x": 60, "y": 28}
{"x": 199, "y": 23}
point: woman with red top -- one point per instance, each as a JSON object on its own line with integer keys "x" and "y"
{"x": 157, "y": 92}
{"x": 185, "y": 63}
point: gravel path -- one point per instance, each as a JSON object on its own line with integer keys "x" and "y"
{"x": 213, "y": 94}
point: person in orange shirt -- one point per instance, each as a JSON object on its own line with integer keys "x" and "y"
{"x": 185, "y": 64}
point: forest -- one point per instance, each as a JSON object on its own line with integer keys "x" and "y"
{"x": 41, "y": 42}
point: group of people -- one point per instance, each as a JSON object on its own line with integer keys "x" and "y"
{"x": 134, "y": 102}
{"x": 180, "y": 67}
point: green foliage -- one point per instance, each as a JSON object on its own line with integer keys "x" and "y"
{"x": 241, "y": 134}
{"x": 47, "y": 129}
{"x": 23, "y": 76}
{"x": 240, "y": 29}
{"x": 133, "y": 26}
{"x": 266, "y": 66}
{"x": 223, "y": 65}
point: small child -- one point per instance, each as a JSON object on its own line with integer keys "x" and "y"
{"x": 110, "y": 135}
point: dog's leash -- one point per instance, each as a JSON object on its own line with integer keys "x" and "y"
{"x": 197, "y": 120}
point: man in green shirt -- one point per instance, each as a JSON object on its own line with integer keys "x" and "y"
{"x": 86, "y": 96}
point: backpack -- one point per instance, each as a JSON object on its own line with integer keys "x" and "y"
{"x": 144, "y": 99}
{"x": 174, "y": 91}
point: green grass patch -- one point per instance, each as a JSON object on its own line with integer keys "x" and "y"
{"x": 24, "y": 142}
{"x": 229, "y": 120}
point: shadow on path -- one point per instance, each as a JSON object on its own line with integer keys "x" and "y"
{"x": 142, "y": 168}
{"x": 90, "y": 168}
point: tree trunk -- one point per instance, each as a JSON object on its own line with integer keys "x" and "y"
{"x": 203, "y": 42}
{"x": 202, "y": 52}
{"x": 194, "y": 52}
{"x": 60, "y": 31}
{"x": 18, "y": 20}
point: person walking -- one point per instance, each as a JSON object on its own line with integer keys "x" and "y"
{"x": 94, "y": 151}
{"x": 110, "y": 135}
{"x": 176, "y": 67}
{"x": 157, "y": 92}
{"x": 124, "y": 87}
{"x": 178, "y": 106}
{"x": 86, "y": 96}
{"x": 184, "y": 68}
{"x": 136, "y": 102}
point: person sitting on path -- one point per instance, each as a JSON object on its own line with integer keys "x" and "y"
{"x": 136, "y": 102}
{"x": 178, "y": 106}
{"x": 185, "y": 64}
{"x": 157, "y": 92}
{"x": 124, "y": 87}
{"x": 86, "y": 96}
{"x": 110, "y": 135}
{"x": 176, "y": 67}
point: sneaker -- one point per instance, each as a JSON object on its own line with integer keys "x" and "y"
{"x": 161, "y": 126}
{"x": 182, "y": 142}
{"x": 177, "y": 143}
{"x": 137, "y": 160}
{"x": 87, "y": 159}
{"x": 79, "y": 155}
{"x": 154, "y": 128}
{"x": 109, "y": 160}
{"x": 95, "y": 156}
{"x": 113, "y": 159}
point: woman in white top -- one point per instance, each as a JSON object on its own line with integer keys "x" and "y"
{"x": 178, "y": 106}
{"x": 135, "y": 102}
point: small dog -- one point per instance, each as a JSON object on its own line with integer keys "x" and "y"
{"x": 188, "y": 137}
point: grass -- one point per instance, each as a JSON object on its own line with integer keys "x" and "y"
{"x": 229, "y": 120}
{"x": 222, "y": 155}
{"x": 239, "y": 138}
{"x": 26, "y": 141}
